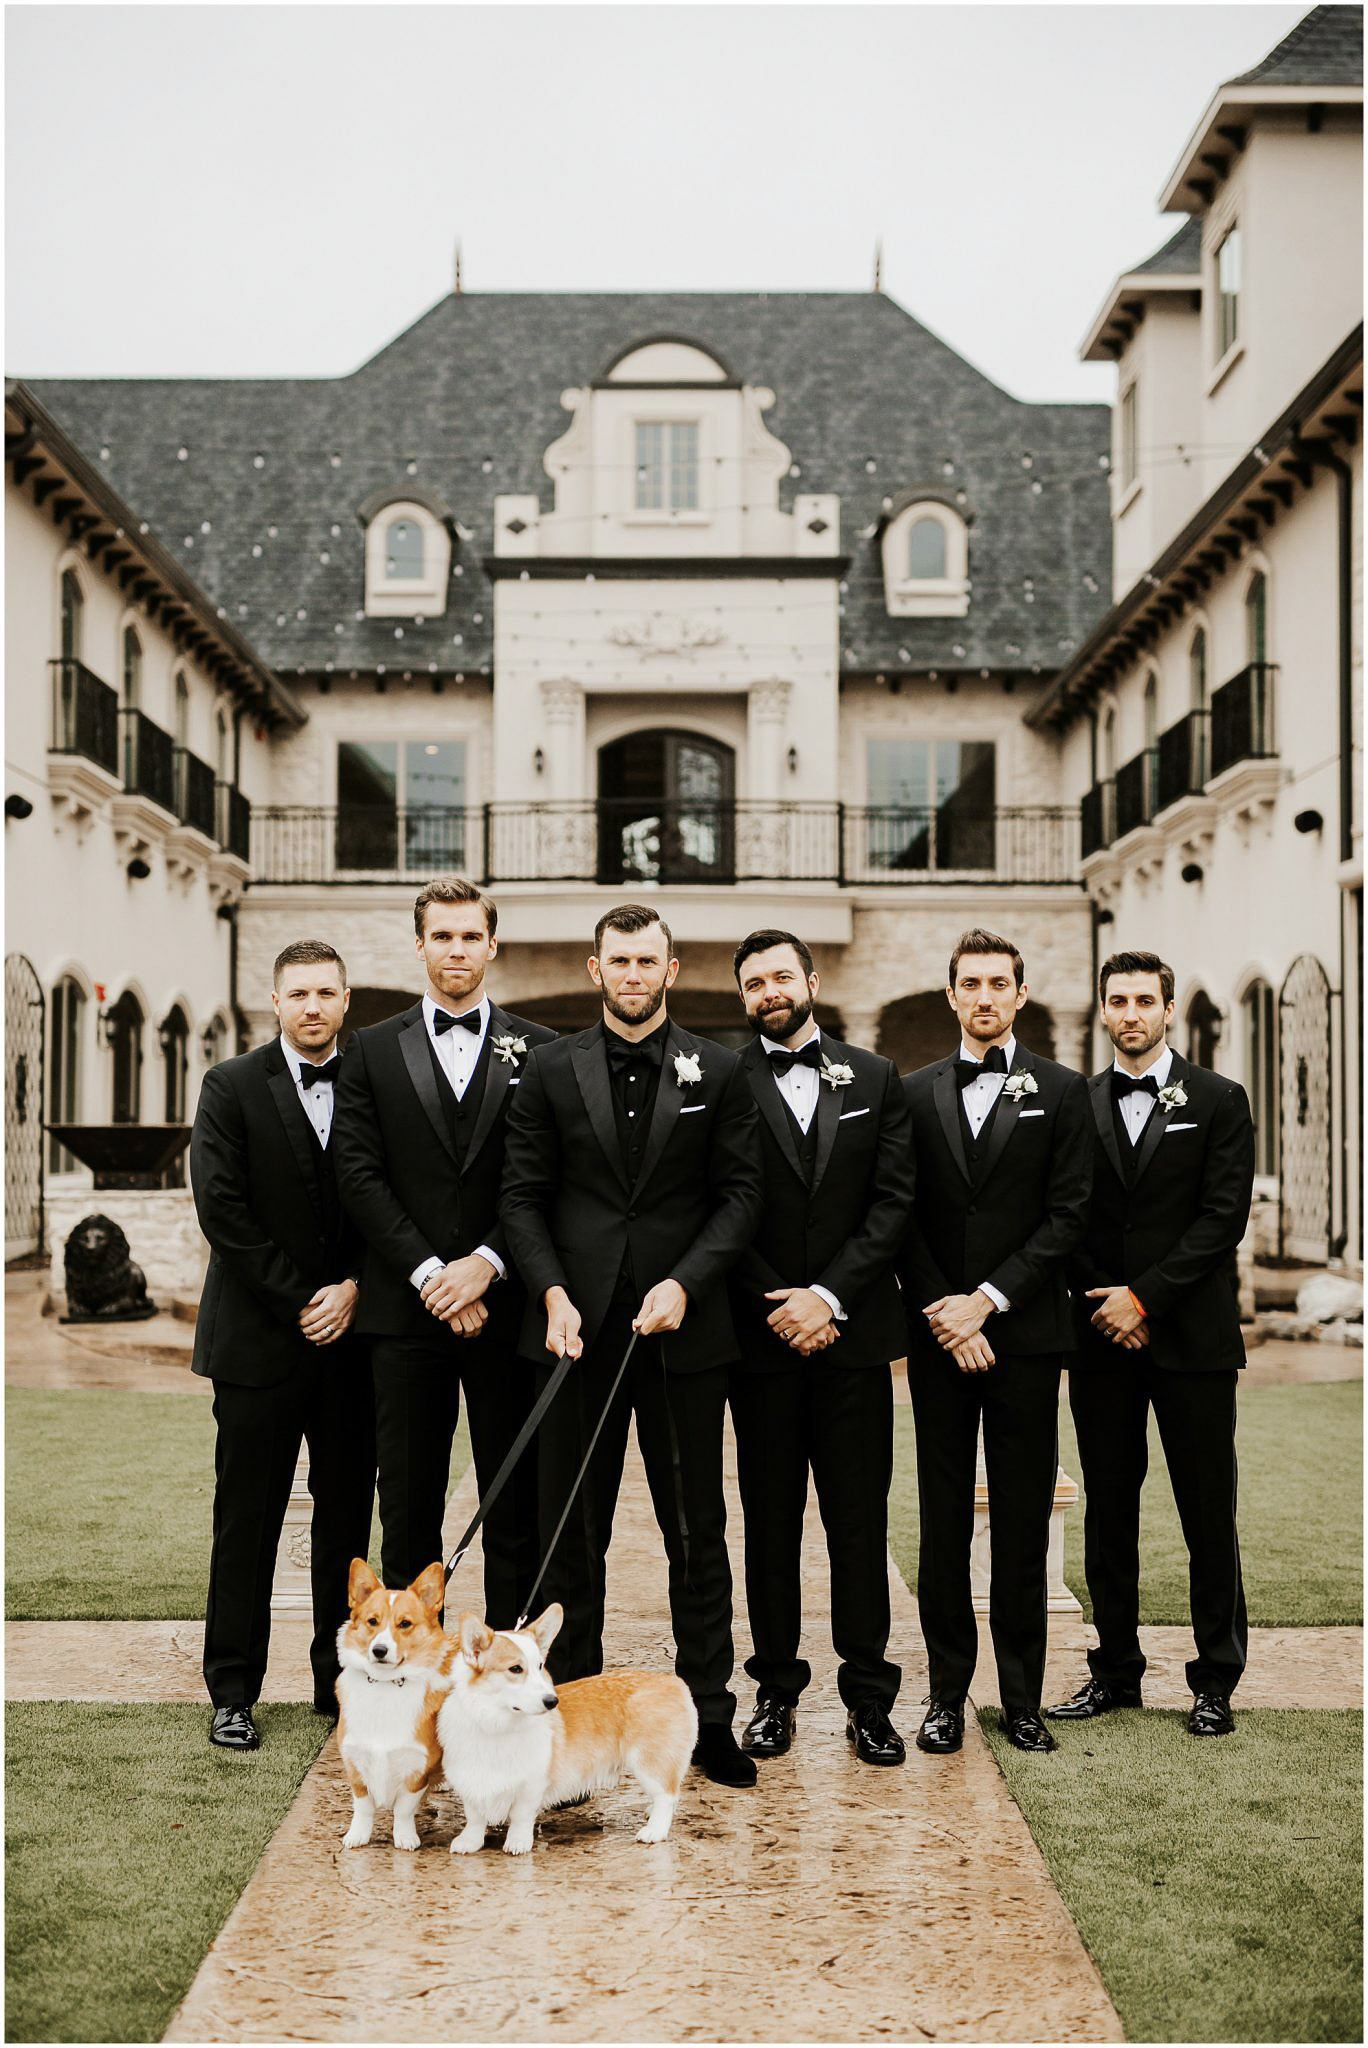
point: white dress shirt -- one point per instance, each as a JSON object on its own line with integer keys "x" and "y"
{"x": 458, "y": 1052}
{"x": 978, "y": 1099}
{"x": 318, "y": 1098}
{"x": 800, "y": 1087}
{"x": 1138, "y": 1107}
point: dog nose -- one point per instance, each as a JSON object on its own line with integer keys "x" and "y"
{"x": 379, "y": 1652}
{"x": 550, "y": 1700}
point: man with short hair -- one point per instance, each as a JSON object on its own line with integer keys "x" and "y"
{"x": 275, "y": 1335}
{"x": 632, "y": 1187}
{"x": 425, "y": 1097}
{"x": 1157, "y": 1308}
{"x": 1004, "y": 1170}
{"x": 819, "y": 1321}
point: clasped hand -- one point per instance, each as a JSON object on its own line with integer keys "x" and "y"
{"x": 328, "y": 1315}
{"x": 1117, "y": 1317}
{"x": 454, "y": 1294}
{"x": 803, "y": 1319}
{"x": 956, "y": 1322}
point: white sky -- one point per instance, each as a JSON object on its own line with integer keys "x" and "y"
{"x": 276, "y": 190}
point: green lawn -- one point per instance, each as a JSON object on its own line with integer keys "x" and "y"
{"x": 1301, "y": 1515}
{"x": 108, "y": 1504}
{"x": 128, "y": 1841}
{"x": 1218, "y": 1884}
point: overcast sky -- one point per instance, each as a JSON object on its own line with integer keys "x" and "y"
{"x": 277, "y": 190}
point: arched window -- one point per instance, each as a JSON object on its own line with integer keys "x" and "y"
{"x": 665, "y": 809}
{"x": 126, "y": 1044}
{"x": 221, "y": 748}
{"x": 1109, "y": 745}
{"x": 73, "y": 606}
{"x": 1151, "y": 744}
{"x": 214, "y": 1040}
{"x": 1256, "y": 646}
{"x": 64, "y": 1066}
{"x": 403, "y": 550}
{"x": 1256, "y": 618}
{"x": 182, "y": 712}
{"x": 132, "y": 669}
{"x": 1261, "y": 1073}
{"x": 173, "y": 1036}
{"x": 926, "y": 549}
{"x": 1197, "y": 697}
{"x": 1203, "y": 1029}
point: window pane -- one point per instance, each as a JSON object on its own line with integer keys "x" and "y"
{"x": 404, "y": 549}
{"x": 650, "y": 481}
{"x": 132, "y": 669}
{"x": 71, "y": 617}
{"x": 684, "y": 467}
{"x": 367, "y": 810}
{"x": 1228, "y": 292}
{"x": 64, "y": 1084}
{"x": 926, "y": 549}
{"x": 1130, "y": 443}
{"x": 1256, "y": 619}
{"x": 434, "y": 796}
{"x": 1197, "y": 675}
{"x": 931, "y": 804}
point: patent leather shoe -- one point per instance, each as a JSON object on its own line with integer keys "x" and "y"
{"x": 234, "y": 1728}
{"x": 326, "y": 1703}
{"x": 942, "y": 1730}
{"x": 1211, "y": 1715}
{"x": 1024, "y": 1729}
{"x": 1094, "y": 1698}
{"x": 875, "y": 1738}
{"x": 719, "y": 1757}
{"x": 769, "y": 1731}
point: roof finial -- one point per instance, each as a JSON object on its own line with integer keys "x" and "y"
{"x": 459, "y": 286}
{"x": 878, "y": 266}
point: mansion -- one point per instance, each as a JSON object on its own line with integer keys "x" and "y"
{"x": 762, "y": 609}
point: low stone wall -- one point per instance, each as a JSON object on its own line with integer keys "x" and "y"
{"x": 161, "y": 1227}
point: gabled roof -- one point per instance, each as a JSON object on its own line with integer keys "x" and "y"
{"x": 467, "y": 401}
{"x": 1176, "y": 268}
{"x": 1325, "y": 48}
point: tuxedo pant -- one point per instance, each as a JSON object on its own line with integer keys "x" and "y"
{"x": 679, "y": 1419}
{"x": 1018, "y": 1401}
{"x": 1111, "y": 1397}
{"x": 418, "y": 1382}
{"x": 326, "y": 1402}
{"x": 836, "y": 1421}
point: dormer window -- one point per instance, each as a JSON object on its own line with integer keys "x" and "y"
{"x": 403, "y": 551}
{"x": 926, "y": 561}
{"x": 408, "y": 554}
{"x": 667, "y": 465}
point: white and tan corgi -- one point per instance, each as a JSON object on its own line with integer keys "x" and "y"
{"x": 396, "y": 1663}
{"x": 514, "y": 1742}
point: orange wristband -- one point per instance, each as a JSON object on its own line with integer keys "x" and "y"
{"x": 1140, "y": 1308}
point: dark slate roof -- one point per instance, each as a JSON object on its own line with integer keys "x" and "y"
{"x": 466, "y": 401}
{"x": 1180, "y": 254}
{"x": 1325, "y": 48}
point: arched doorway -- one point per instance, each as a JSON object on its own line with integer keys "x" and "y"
{"x": 665, "y": 809}
{"x": 1203, "y": 1022}
{"x": 24, "y": 1036}
{"x": 173, "y": 1036}
{"x": 125, "y": 1030}
{"x": 1304, "y": 1119}
{"x": 916, "y": 1031}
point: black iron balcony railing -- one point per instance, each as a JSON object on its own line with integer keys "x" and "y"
{"x": 85, "y": 712}
{"x": 234, "y": 827}
{"x": 194, "y": 792}
{"x": 679, "y": 841}
{"x": 1183, "y": 752}
{"x": 1242, "y": 718}
{"x": 149, "y": 760}
{"x": 1136, "y": 791}
{"x": 1097, "y": 818}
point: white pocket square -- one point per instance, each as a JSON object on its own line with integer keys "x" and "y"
{"x": 847, "y": 1114}
{"x": 513, "y": 1084}
{"x": 693, "y": 1109}
{"x": 1169, "y": 1129}
{"x": 1029, "y": 1112}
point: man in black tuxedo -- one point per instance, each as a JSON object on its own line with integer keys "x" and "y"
{"x": 1004, "y": 1171}
{"x": 819, "y": 1320}
{"x": 1157, "y": 1305}
{"x": 632, "y": 1186}
{"x": 420, "y": 1157}
{"x": 275, "y": 1335}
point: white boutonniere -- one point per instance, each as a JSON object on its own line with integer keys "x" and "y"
{"x": 1020, "y": 1083}
{"x": 688, "y": 1069}
{"x": 510, "y": 1049}
{"x": 836, "y": 1074}
{"x": 1173, "y": 1097}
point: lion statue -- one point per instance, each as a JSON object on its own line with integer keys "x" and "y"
{"x": 103, "y": 1284}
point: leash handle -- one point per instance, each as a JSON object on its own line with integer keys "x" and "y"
{"x": 520, "y": 1443}
{"x": 521, "y": 1622}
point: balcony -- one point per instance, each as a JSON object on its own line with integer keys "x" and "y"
{"x": 233, "y": 829}
{"x": 1242, "y": 718}
{"x": 148, "y": 761}
{"x": 1183, "y": 754}
{"x": 1097, "y": 818}
{"x": 194, "y": 785}
{"x": 85, "y": 715}
{"x": 680, "y": 842}
{"x": 1136, "y": 790}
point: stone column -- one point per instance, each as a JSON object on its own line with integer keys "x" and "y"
{"x": 859, "y": 1024}
{"x": 561, "y": 740}
{"x": 766, "y": 735}
{"x": 1073, "y": 1038}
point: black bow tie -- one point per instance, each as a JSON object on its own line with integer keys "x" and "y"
{"x": 1126, "y": 1084}
{"x": 442, "y": 1020}
{"x": 809, "y": 1055}
{"x": 310, "y": 1074}
{"x": 994, "y": 1061}
{"x": 633, "y": 1052}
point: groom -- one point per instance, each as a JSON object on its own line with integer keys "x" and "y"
{"x": 632, "y": 1185}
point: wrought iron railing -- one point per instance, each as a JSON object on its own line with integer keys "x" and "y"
{"x": 1183, "y": 754}
{"x": 149, "y": 760}
{"x": 194, "y": 792}
{"x": 614, "y": 842}
{"x": 1097, "y": 818}
{"x": 234, "y": 828}
{"x": 1136, "y": 791}
{"x": 85, "y": 714}
{"x": 1242, "y": 717}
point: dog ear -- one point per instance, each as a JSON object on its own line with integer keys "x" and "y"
{"x": 361, "y": 1582}
{"x": 475, "y": 1637}
{"x": 546, "y": 1627}
{"x": 430, "y": 1587}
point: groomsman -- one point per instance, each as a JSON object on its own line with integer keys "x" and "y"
{"x": 631, "y": 1188}
{"x": 1004, "y": 1171}
{"x": 819, "y": 1320}
{"x": 275, "y": 1335}
{"x": 424, "y": 1098}
{"x": 1156, "y": 1300}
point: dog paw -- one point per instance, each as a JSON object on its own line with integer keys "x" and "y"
{"x": 517, "y": 1842}
{"x": 467, "y": 1843}
{"x": 653, "y": 1834}
{"x": 406, "y": 1838}
{"x": 356, "y": 1838}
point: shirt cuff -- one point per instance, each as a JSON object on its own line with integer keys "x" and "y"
{"x": 420, "y": 1273}
{"x": 482, "y": 1251}
{"x": 998, "y": 1299}
{"x": 831, "y": 1302}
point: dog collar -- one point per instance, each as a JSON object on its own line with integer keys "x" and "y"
{"x": 372, "y": 1680}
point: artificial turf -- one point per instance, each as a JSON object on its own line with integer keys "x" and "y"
{"x": 1301, "y": 1517}
{"x": 128, "y": 1841}
{"x": 1218, "y": 1884}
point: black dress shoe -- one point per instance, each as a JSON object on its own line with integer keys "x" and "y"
{"x": 942, "y": 1731}
{"x": 1211, "y": 1715}
{"x": 326, "y": 1703}
{"x": 769, "y": 1731}
{"x": 875, "y": 1738}
{"x": 1024, "y": 1729}
{"x": 1094, "y": 1698}
{"x": 234, "y": 1728}
{"x": 718, "y": 1757}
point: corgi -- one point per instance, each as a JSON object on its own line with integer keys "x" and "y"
{"x": 396, "y": 1661}
{"x": 514, "y": 1742}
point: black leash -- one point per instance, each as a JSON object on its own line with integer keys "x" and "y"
{"x": 524, "y": 1437}
{"x": 521, "y": 1621}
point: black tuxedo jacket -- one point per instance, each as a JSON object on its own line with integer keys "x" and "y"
{"x": 402, "y": 1183}
{"x": 571, "y": 1217}
{"x": 1172, "y": 1232}
{"x": 844, "y": 1231}
{"x": 254, "y": 1167}
{"x": 1017, "y": 1222}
